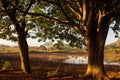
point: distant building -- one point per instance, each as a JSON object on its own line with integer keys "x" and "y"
{"x": 42, "y": 47}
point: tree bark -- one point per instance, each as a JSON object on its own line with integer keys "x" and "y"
{"x": 95, "y": 68}
{"x": 20, "y": 28}
{"x": 23, "y": 50}
{"x": 95, "y": 42}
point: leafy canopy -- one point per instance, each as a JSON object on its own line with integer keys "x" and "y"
{"x": 10, "y": 15}
{"x": 59, "y": 19}
{"x": 67, "y": 19}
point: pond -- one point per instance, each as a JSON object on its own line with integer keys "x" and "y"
{"x": 84, "y": 60}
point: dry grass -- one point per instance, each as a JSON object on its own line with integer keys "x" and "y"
{"x": 49, "y": 66}
{"x": 112, "y": 57}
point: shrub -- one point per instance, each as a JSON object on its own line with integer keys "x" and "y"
{"x": 7, "y": 66}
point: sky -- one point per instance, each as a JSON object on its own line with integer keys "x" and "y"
{"x": 34, "y": 42}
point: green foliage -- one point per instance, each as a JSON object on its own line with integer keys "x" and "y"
{"x": 116, "y": 27}
{"x": 7, "y": 66}
{"x": 11, "y": 18}
{"x": 63, "y": 28}
{"x": 59, "y": 45}
{"x": 6, "y": 29}
{"x": 56, "y": 19}
{"x": 52, "y": 73}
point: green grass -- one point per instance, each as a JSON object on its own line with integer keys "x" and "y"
{"x": 53, "y": 49}
{"x": 112, "y": 50}
{"x": 9, "y": 49}
{"x": 15, "y": 49}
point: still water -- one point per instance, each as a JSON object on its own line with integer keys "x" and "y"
{"x": 84, "y": 60}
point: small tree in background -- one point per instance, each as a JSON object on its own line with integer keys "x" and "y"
{"x": 59, "y": 45}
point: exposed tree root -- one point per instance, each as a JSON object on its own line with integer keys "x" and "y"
{"x": 95, "y": 77}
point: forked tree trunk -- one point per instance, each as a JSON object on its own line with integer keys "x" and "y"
{"x": 23, "y": 49}
{"x": 20, "y": 28}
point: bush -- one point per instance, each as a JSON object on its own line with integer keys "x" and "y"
{"x": 7, "y": 66}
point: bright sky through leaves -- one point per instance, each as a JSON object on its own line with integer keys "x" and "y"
{"x": 34, "y": 42}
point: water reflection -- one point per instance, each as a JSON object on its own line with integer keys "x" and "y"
{"x": 76, "y": 60}
{"x": 84, "y": 60}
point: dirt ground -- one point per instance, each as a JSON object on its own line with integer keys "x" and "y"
{"x": 49, "y": 66}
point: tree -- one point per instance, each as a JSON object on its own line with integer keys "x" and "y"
{"x": 91, "y": 19}
{"x": 14, "y": 24}
{"x": 59, "y": 45}
{"x": 71, "y": 19}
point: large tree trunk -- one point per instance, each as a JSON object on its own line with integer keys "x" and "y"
{"x": 23, "y": 49}
{"x": 95, "y": 42}
{"x": 95, "y": 68}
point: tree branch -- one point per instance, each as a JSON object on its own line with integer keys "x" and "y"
{"x": 84, "y": 11}
{"x": 25, "y": 13}
{"x": 4, "y": 3}
{"x": 29, "y": 6}
{"x": 79, "y": 7}
{"x": 65, "y": 14}
{"x": 113, "y": 12}
{"x": 42, "y": 15}
{"x": 78, "y": 16}
{"x": 51, "y": 2}
{"x": 52, "y": 18}
{"x": 61, "y": 8}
